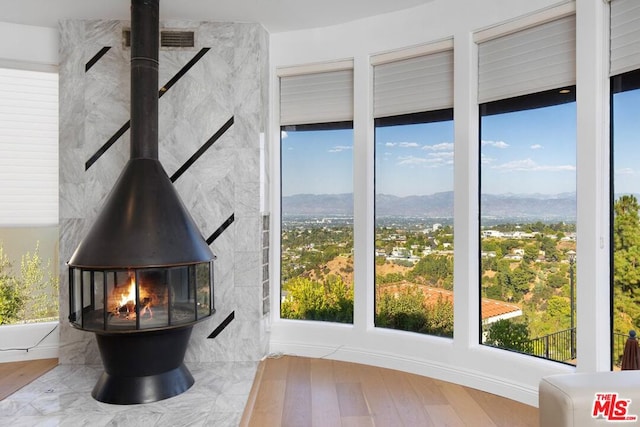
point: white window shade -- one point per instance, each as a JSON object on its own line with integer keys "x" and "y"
{"x": 316, "y": 98}
{"x": 28, "y": 148}
{"x": 528, "y": 61}
{"x": 423, "y": 83}
{"x": 625, "y": 36}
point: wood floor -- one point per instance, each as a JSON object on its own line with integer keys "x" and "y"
{"x": 15, "y": 375}
{"x": 298, "y": 392}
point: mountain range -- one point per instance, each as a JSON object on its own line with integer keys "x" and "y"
{"x": 438, "y": 205}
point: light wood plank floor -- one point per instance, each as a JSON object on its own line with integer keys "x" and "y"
{"x": 15, "y": 375}
{"x": 298, "y": 392}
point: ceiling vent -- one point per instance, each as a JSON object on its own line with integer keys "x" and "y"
{"x": 168, "y": 39}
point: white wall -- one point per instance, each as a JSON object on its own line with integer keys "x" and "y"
{"x": 461, "y": 360}
{"x": 25, "y": 46}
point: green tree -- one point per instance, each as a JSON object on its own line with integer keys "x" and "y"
{"x": 40, "y": 289}
{"x": 407, "y": 311}
{"x": 32, "y": 295}
{"x": 434, "y": 269}
{"x": 330, "y": 300}
{"x": 626, "y": 244}
{"x": 548, "y": 245}
{"x": 626, "y": 260}
{"x": 11, "y": 300}
{"x": 531, "y": 252}
{"x": 509, "y": 335}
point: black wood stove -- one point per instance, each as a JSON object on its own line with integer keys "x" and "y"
{"x": 143, "y": 275}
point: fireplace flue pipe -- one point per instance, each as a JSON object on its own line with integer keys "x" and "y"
{"x": 145, "y": 27}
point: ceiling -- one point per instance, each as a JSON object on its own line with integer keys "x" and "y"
{"x": 275, "y": 15}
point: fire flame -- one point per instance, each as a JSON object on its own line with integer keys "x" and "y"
{"x": 129, "y": 296}
{"x": 127, "y": 302}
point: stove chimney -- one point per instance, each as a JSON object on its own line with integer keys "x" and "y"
{"x": 143, "y": 222}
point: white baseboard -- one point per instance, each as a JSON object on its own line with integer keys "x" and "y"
{"x": 29, "y": 341}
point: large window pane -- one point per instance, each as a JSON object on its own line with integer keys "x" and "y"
{"x": 625, "y": 105}
{"x": 28, "y": 196}
{"x": 317, "y": 222}
{"x": 528, "y": 218}
{"x": 414, "y": 222}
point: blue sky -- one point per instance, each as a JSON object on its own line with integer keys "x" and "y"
{"x": 529, "y": 152}
{"x": 414, "y": 159}
{"x": 317, "y": 162}
{"x": 525, "y": 152}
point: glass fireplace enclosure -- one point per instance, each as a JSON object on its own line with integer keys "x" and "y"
{"x": 120, "y": 300}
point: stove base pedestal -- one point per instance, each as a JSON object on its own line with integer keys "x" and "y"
{"x": 128, "y": 391}
{"x": 143, "y": 367}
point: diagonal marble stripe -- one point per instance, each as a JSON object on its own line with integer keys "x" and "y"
{"x": 107, "y": 145}
{"x": 96, "y": 58}
{"x": 221, "y": 229}
{"x": 202, "y": 150}
{"x": 222, "y": 325}
{"x": 103, "y": 149}
{"x": 183, "y": 70}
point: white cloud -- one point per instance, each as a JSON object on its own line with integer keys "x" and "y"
{"x": 496, "y": 144}
{"x": 536, "y": 147}
{"x": 340, "y": 148}
{"x": 625, "y": 171}
{"x": 411, "y": 160}
{"x": 439, "y": 159}
{"x": 402, "y": 144}
{"x": 283, "y": 134}
{"x": 409, "y": 144}
{"x": 531, "y": 166}
{"x": 485, "y": 160}
{"x": 432, "y": 160}
{"x": 443, "y": 146}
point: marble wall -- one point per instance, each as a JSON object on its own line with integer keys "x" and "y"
{"x": 224, "y": 184}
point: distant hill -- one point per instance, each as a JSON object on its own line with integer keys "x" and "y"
{"x": 439, "y": 205}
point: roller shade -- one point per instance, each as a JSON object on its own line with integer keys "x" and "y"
{"x": 28, "y": 148}
{"x": 316, "y": 98}
{"x": 528, "y": 61}
{"x": 423, "y": 83}
{"x": 625, "y": 36}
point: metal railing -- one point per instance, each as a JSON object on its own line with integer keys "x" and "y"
{"x": 619, "y": 340}
{"x": 558, "y": 346}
